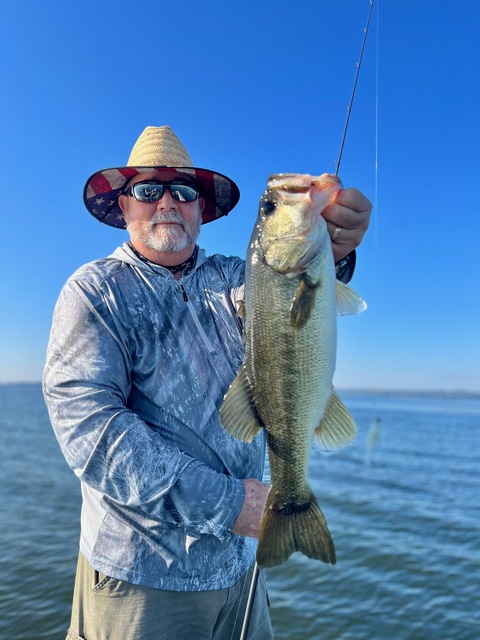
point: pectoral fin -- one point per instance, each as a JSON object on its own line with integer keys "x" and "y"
{"x": 348, "y": 301}
{"x": 238, "y": 413}
{"x": 303, "y": 303}
{"x": 337, "y": 427}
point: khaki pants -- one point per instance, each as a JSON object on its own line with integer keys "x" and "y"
{"x": 108, "y": 609}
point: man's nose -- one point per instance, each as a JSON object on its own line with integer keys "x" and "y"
{"x": 166, "y": 201}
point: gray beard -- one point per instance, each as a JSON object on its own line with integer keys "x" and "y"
{"x": 172, "y": 239}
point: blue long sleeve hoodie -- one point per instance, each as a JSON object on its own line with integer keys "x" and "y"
{"x": 137, "y": 367}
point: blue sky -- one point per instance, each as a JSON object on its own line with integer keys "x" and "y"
{"x": 254, "y": 88}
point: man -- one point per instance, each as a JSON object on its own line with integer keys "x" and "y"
{"x": 144, "y": 345}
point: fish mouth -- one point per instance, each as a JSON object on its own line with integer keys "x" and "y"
{"x": 301, "y": 183}
{"x": 290, "y": 182}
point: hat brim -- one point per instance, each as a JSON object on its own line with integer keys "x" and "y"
{"x": 102, "y": 189}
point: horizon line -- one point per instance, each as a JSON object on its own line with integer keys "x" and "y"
{"x": 354, "y": 390}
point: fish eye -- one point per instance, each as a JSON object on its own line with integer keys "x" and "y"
{"x": 267, "y": 207}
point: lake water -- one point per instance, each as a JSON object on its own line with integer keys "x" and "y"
{"x": 404, "y": 515}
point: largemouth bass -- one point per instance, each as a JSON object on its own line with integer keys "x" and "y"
{"x": 285, "y": 382}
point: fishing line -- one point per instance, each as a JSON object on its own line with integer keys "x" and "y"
{"x": 375, "y": 207}
{"x": 349, "y": 108}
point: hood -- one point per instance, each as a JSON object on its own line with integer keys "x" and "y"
{"x": 125, "y": 254}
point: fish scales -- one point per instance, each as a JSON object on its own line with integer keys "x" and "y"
{"x": 285, "y": 382}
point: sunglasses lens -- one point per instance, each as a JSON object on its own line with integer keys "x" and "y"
{"x": 147, "y": 192}
{"x": 183, "y": 193}
{"x": 152, "y": 192}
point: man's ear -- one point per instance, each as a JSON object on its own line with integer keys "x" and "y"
{"x": 122, "y": 203}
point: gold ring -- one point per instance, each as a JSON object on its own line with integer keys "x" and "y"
{"x": 336, "y": 233}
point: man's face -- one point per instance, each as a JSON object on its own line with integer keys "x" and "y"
{"x": 165, "y": 226}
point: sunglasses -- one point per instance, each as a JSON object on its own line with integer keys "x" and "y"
{"x": 152, "y": 191}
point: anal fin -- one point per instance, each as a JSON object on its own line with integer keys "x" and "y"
{"x": 337, "y": 427}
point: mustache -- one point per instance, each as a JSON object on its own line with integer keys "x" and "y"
{"x": 167, "y": 216}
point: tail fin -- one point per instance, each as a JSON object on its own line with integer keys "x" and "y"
{"x": 293, "y": 527}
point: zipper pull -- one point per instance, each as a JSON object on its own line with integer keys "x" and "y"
{"x": 184, "y": 293}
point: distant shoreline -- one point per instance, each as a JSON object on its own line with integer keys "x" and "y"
{"x": 409, "y": 393}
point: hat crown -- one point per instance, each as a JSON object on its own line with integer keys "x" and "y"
{"x": 157, "y": 147}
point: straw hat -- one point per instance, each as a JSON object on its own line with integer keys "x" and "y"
{"x": 157, "y": 147}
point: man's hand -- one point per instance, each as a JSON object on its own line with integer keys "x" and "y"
{"x": 248, "y": 521}
{"x": 347, "y": 220}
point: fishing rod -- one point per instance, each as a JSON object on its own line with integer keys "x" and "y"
{"x": 251, "y": 598}
{"x": 256, "y": 569}
{"x": 349, "y": 108}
